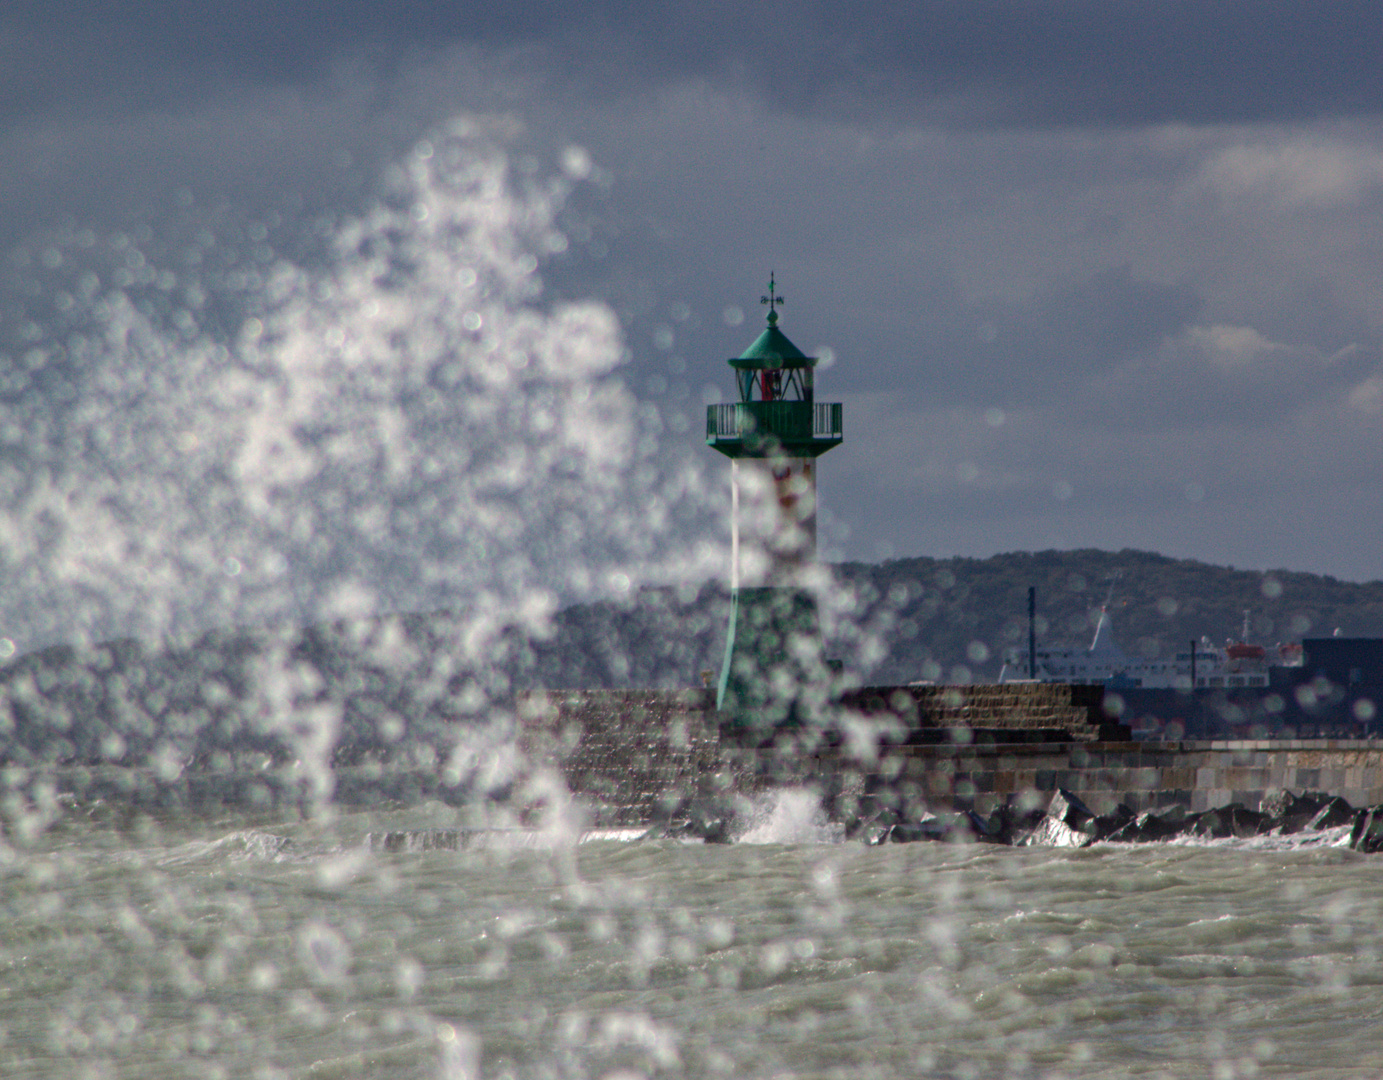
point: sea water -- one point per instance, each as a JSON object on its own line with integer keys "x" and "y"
{"x": 195, "y": 946}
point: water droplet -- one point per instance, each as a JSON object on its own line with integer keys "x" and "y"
{"x": 576, "y": 162}
{"x": 323, "y": 953}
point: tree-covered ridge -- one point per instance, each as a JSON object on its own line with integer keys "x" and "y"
{"x": 953, "y": 619}
{"x": 398, "y": 685}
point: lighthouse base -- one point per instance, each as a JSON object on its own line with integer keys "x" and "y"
{"x": 774, "y": 675}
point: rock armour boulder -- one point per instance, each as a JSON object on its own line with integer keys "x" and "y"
{"x": 1068, "y": 822}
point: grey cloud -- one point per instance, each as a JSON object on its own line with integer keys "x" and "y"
{"x": 1074, "y": 329}
{"x": 1064, "y": 278}
{"x": 1225, "y": 378}
{"x": 934, "y": 340}
{"x": 948, "y": 61}
{"x": 1290, "y": 489}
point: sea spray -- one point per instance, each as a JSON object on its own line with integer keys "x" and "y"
{"x": 789, "y": 816}
{"x": 399, "y": 420}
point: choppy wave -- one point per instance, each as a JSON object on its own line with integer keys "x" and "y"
{"x": 357, "y": 944}
{"x": 1306, "y": 840}
{"x": 252, "y": 845}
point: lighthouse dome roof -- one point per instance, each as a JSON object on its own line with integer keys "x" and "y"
{"x": 772, "y": 350}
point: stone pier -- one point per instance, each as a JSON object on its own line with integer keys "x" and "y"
{"x": 639, "y": 756}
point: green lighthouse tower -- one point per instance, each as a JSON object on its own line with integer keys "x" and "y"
{"x": 773, "y": 435}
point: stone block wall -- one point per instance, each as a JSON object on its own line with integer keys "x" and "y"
{"x": 1142, "y": 775}
{"x": 632, "y": 756}
{"x": 638, "y": 756}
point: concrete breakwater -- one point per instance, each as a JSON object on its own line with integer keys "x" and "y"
{"x": 640, "y": 756}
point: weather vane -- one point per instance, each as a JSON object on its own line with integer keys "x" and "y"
{"x": 772, "y": 300}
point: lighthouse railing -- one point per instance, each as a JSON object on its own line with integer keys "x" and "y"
{"x": 827, "y": 421}
{"x": 789, "y": 421}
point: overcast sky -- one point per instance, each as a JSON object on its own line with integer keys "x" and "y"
{"x": 1088, "y": 274}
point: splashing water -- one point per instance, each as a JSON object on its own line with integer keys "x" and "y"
{"x": 398, "y": 424}
{"x": 790, "y": 816}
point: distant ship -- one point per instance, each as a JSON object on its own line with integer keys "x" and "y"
{"x": 1238, "y": 665}
{"x": 1320, "y": 687}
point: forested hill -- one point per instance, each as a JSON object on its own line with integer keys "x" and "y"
{"x": 399, "y": 684}
{"x": 964, "y": 613}
{"x": 940, "y": 619}
{"x": 953, "y": 619}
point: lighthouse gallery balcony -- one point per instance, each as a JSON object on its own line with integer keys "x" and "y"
{"x": 756, "y": 428}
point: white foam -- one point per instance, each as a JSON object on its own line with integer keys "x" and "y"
{"x": 619, "y": 836}
{"x": 790, "y": 816}
{"x": 251, "y": 845}
{"x": 1306, "y": 840}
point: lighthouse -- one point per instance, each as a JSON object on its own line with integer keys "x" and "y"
{"x": 772, "y": 435}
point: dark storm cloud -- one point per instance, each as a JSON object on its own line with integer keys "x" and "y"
{"x": 1127, "y": 61}
{"x": 1070, "y": 257}
{"x": 1066, "y": 333}
{"x": 1107, "y": 316}
{"x": 962, "y": 61}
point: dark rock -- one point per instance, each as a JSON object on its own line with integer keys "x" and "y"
{"x": 1248, "y": 822}
{"x": 1278, "y": 804}
{"x": 680, "y": 830}
{"x": 1069, "y": 810}
{"x": 1106, "y": 825}
{"x": 1069, "y": 822}
{"x": 1367, "y": 834}
{"x": 1152, "y": 825}
{"x": 910, "y": 832}
{"x": 1290, "y": 813}
{"x": 415, "y": 841}
{"x": 870, "y": 819}
{"x": 864, "y": 828}
{"x": 950, "y": 828}
{"x": 713, "y": 820}
{"x": 1053, "y": 832}
{"x": 988, "y": 830}
{"x": 1231, "y": 820}
{"x": 1009, "y": 823}
{"x": 1332, "y": 815}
